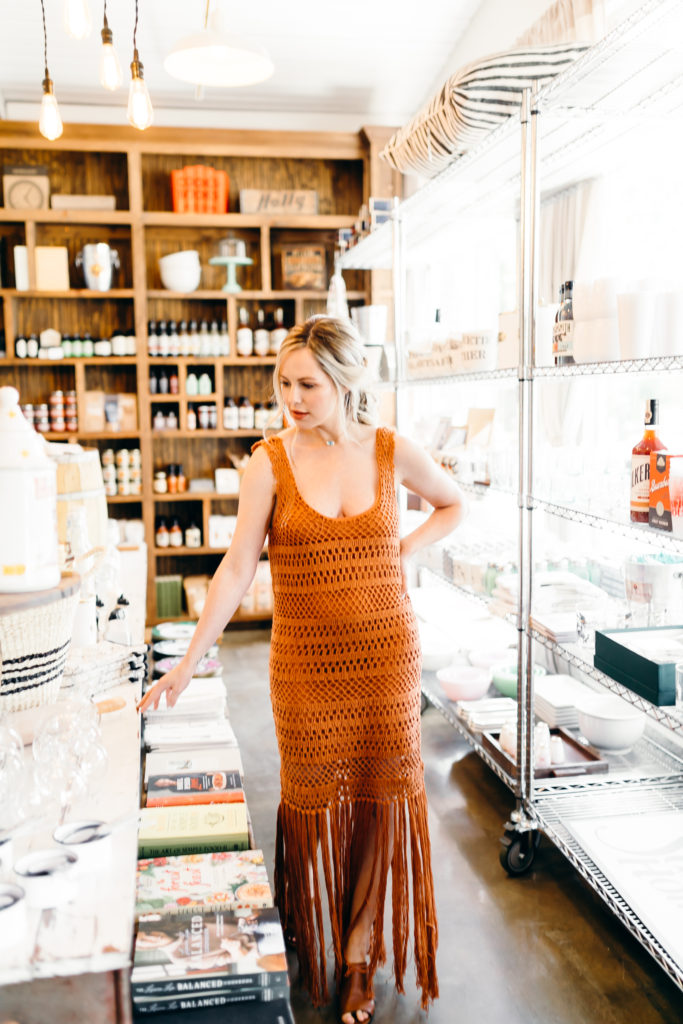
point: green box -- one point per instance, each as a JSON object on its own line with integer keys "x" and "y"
{"x": 169, "y": 596}
{"x": 653, "y": 679}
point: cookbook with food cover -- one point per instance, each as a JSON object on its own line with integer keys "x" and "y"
{"x": 215, "y": 787}
{"x": 192, "y": 828}
{"x": 193, "y": 759}
{"x": 277, "y": 1012}
{"x": 198, "y": 882}
{"x": 214, "y": 952}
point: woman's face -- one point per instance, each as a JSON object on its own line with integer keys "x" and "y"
{"x": 309, "y": 395}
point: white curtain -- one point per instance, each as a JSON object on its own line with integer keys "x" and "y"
{"x": 571, "y": 237}
{"x": 567, "y": 21}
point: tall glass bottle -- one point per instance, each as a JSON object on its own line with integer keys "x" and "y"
{"x": 640, "y": 463}
{"x": 563, "y": 328}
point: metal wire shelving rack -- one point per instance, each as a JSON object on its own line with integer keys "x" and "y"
{"x": 633, "y": 74}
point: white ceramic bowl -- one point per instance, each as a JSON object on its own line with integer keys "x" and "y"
{"x": 505, "y": 678}
{"x": 464, "y": 682}
{"x": 609, "y": 723}
{"x": 181, "y": 271}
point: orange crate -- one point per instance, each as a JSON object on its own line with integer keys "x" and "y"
{"x": 199, "y": 189}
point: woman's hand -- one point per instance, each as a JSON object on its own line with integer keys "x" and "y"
{"x": 172, "y": 684}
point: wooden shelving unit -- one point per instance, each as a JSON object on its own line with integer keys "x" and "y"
{"x": 342, "y": 168}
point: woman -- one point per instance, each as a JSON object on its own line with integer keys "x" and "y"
{"x": 344, "y": 663}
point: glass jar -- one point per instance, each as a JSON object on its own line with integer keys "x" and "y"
{"x": 160, "y": 482}
{"x": 193, "y": 536}
{"x": 159, "y": 421}
{"x": 171, "y": 420}
{"x": 175, "y": 535}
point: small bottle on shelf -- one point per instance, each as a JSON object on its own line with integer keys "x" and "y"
{"x": 160, "y": 482}
{"x": 225, "y": 339}
{"x": 191, "y": 384}
{"x": 163, "y": 383}
{"x": 171, "y": 420}
{"x": 214, "y": 339}
{"x": 261, "y": 416}
{"x": 193, "y": 536}
{"x": 76, "y": 346}
{"x": 278, "y": 333}
{"x": 66, "y": 346}
{"x": 172, "y": 479}
{"x": 230, "y": 414}
{"x": 182, "y": 481}
{"x": 204, "y": 339}
{"x": 563, "y": 328}
{"x": 640, "y": 463}
{"x": 245, "y": 412}
{"x": 32, "y": 346}
{"x": 261, "y": 335}
{"x": 173, "y": 383}
{"x": 20, "y": 347}
{"x": 173, "y": 339}
{"x": 162, "y": 536}
{"x": 153, "y": 383}
{"x": 194, "y": 338}
{"x": 204, "y": 385}
{"x": 245, "y": 335}
{"x": 191, "y": 418}
{"x": 184, "y": 339}
{"x": 162, "y": 339}
{"x": 152, "y": 339}
{"x": 88, "y": 348}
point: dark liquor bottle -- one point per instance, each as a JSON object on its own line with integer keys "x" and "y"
{"x": 563, "y": 328}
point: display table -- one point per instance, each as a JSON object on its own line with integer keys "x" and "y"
{"x": 83, "y": 946}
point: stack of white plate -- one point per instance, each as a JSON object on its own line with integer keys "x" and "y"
{"x": 556, "y": 698}
{"x": 487, "y": 714}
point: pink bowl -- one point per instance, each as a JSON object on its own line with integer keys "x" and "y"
{"x": 464, "y": 682}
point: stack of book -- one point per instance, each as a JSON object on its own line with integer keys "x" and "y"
{"x": 208, "y": 935}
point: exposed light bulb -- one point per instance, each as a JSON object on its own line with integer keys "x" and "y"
{"x": 50, "y": 122}
{"x": 140, "y": 113}
{"x": 110, "y": 69}
{"x": 77, "y": 20}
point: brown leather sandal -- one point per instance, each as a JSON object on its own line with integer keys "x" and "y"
{"x": 352, "y": 993}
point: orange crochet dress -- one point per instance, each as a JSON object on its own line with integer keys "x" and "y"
{"x": 345, "y": 689}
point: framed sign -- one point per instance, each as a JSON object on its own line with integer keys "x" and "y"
{"x": 25, "y": 188}
{"x": 278, "y": 200}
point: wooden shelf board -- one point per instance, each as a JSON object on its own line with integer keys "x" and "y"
{"x": 250, "y": 295}
{"x": 320, "y": 221}
{"x": 210, "y": 360}
{"x": 206, "y": 433}
{"x": 123, "y": 499}
{"x": 67, "y": 216}
{"x": 79, "y": 435}
{"x": 72, "y": 361}
{"x": 196, "y": 496}
{"x": 71, "y": 293}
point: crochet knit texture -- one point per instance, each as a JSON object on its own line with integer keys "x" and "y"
{"x": 345, "y": 689}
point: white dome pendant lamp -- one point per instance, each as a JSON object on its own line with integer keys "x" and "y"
{"x": 210, "y": 57}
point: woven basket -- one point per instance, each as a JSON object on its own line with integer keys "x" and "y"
{"x": 34, "y": 642}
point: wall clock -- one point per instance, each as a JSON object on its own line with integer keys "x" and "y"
{"x": 26, "y": 188}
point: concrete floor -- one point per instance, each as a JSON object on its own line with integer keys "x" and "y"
{"x": 541, "y": 949}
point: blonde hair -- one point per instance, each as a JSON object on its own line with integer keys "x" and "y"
{"x": 338, "y": 350}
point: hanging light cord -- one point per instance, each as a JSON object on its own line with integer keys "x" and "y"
{"x": 105, "y": 23}
{"x": 42, "y": 7}
{"x": 135, "y": 32}
{"x": 206, "y": 14}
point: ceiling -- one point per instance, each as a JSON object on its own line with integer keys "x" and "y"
{"x": 336, "y": 65}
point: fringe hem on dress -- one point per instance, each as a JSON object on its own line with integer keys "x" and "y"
{"x": 391, "y": 835}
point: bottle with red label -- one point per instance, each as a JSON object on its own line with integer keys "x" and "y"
{"x": 640, "y": 463}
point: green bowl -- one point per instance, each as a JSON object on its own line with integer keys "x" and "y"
{"x": 505, "y": 678}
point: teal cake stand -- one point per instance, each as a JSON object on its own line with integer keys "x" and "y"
{"x": 231, "y": 262}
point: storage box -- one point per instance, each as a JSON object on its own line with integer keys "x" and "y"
{"x": 199, "y": 189}
{"x": 666, "y": 492}
{"x": 169, "y": 592}
{"x": 302, "y": 266}
{"x": 52, "y": 268}
{"x": 630, "y": 656}
{"x": 92, "y": 415}
{"x": 120, "y": 412}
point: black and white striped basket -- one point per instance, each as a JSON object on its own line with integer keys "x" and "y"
{"x": 34, "y": 643}
{"x": 474, "y": 100}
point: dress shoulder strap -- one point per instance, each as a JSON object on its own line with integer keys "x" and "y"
{"x": 275, "y": 451}
{"x": 385, "y": 450}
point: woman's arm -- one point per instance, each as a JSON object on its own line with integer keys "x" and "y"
{"x": 232, "y": 578}
{"x": 417, "y": 470}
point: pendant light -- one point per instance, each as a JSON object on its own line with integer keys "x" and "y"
{"x": 140, "y": 113}
{"x": 210, "y": 57}
{"x": 50, "y": 123}
{"x": 110, "y": 69}
{"x": 77, "y": 21}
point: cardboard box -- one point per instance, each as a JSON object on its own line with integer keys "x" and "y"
{"x": 298, "y": 201}
{"x": 52, "y": 268}
{"x": 303, "y": 266}
{"x": 666, "y": 492}
{"x": 82, "y": 202}
{"x": 92, "y": 416}
{"x": 653, "y": 678}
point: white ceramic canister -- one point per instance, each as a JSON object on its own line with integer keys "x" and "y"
{"x": 47, "y": 877}
{"x": 90, "y": 840}
{"x": 29, "y": 555}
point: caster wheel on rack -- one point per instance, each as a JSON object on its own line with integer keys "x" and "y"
{"x": 518, "y": 851}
